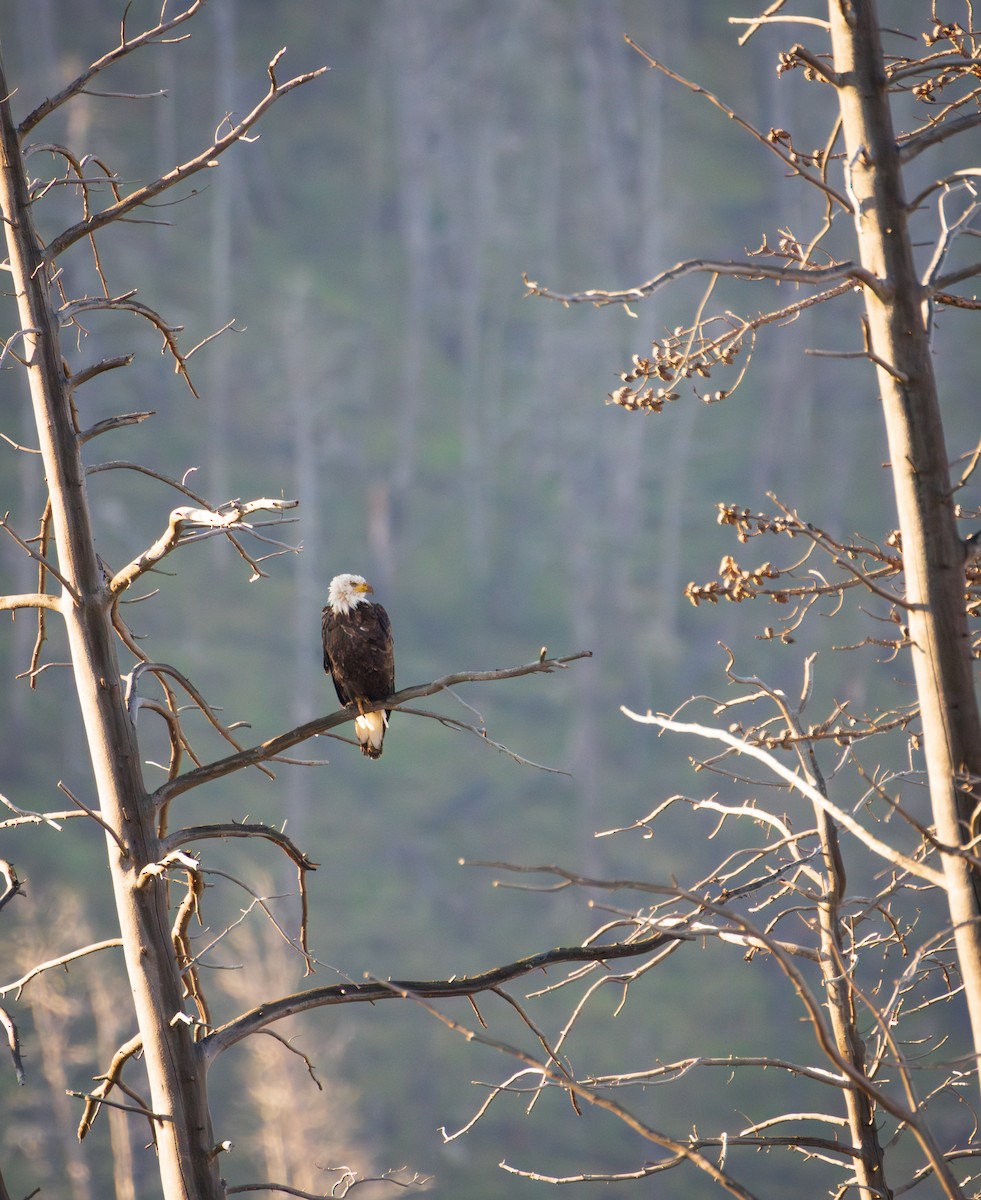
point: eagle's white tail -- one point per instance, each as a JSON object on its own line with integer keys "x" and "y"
{"x": 370, "y": 729}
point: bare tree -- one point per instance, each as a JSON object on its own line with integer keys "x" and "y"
{"x": 157, "y": 883}
{"x": 848, "y": 945}
{"x": 858, "y": 957}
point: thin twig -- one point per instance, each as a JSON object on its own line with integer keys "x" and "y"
{"x": 265, "y": 1014}
{"x": 203, "y": 161}
{"x": 19, "y": 984}
{"x": 40, "y": 559}
{"x": 90, "y": 812}
{"x": 771, "y": 145}
{"x": 741, "y": 746}
{"x": 125, "y": 47}
{"x": 741, "y": 270}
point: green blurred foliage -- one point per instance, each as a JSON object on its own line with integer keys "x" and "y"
{"x": 449, "y": 440}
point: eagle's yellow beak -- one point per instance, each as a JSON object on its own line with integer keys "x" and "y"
{"x": 364, "y": 588}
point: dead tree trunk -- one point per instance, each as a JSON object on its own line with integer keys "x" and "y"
{"x": 162, "y": 968}
{"x": 181, "y": 1122}
{"x": 933, "y": 553}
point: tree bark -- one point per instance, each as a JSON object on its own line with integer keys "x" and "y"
{"x": 173, "y": 1060}
{"x": 869, "y": 1161}
{"x": 933, "y": 554}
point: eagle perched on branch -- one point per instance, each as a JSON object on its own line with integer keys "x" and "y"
{"x": 359, "y": 654}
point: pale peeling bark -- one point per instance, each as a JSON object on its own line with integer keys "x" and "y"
{"x": 933, "y": 554}
{"x": 173, "y": 1060}
{"x": 869, "y": 1162}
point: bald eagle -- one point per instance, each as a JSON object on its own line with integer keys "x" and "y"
{"x": 359, "y": 654}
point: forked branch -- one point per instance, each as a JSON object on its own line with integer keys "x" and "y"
{"x": 705, "y": 266}
{"x": 63, "y": 960}
{"x": 279, "y": 745}
{"x": 770, "y": 143}
{"x": 230, "y": 516}
{"x": 196, "y": 833}
{"x": 200, "y": 162}
{"x": 797, "y": 781}
{"x": 93, "y": 1100}
{"x": 126, "y": 46}
{"x": 434, "y": 989}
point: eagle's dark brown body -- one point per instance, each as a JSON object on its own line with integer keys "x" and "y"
{"x": 359, "y": 655}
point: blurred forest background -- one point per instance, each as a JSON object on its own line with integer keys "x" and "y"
{"x": 449, "y": 440}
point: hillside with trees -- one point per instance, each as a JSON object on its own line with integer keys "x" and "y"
{"x": 429, "y": 297}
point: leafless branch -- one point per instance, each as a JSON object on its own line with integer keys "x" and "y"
{"x": 110, "y": 1080}
{"x": 952, "y": 300}
{"x": 112, "y": 423}
{"x": 968, "y": 272}
{"x": 815, "y": 66}
{"x": 195, "y": 833}
{"x": 18, "y": 446}
{"x": 463, "y": 985}
{"x": 754, "y": 25}
{"x": 348, "y": 1181}
{"x": 99, "y": 368}
{"x": 299, "y": 946}
{"x": 480, "y": 732}
{"x": 665, "y": 1072}
{"x": 285, "y": 741}
{"x": 26, "y": 817}
{"x": 795, "y": 780}
{"x": 189, "y": 908}
{"x": 126, "y": 46}
{"x": 751, "y": 270}
{"x": 43, "y": 539}
{"x": 206, "y": 159}
{"x": 135, "y": 702}
{"x": 30, "y": 600}
{"x": 126, "y": 304}
{"x": 230, "y": 516}
{"x": 179, "y": 486}
{"x": 859, "y": 1078}
{"x": 12, "y": 886}
{"x": 40, "y": 559}
{"x": 8, "y": 346}
{"x": 229, "y": 325}
{"x": 19, "y": 984}
{"x": 89, "y": 1098}
{"x": 772, "y": 145}
{"x": 935, "y": 134}
{"x": 695, "y": 352}
{"x": 90, "y": 812}
{"x": 680, "y": 1151}
{"x": 939, "y": 184}
{"x": 768, "y": 19}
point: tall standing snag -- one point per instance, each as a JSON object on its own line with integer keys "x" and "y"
{"x": 933, "y": 552}
{"x": 859, "y": 174}
{"x": 177, "y": 1095}
{"x": 896, "y": 331}
{"x": 174, "y": 1063}
{"x": 158, "y": 884}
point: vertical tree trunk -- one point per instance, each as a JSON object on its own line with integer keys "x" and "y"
{"x": 933, "y": 554}
{"x": 868, "y": 1163}
{"x": 174, "y": 1064}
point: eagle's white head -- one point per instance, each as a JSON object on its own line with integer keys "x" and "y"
{"x": 347, "y": 592}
